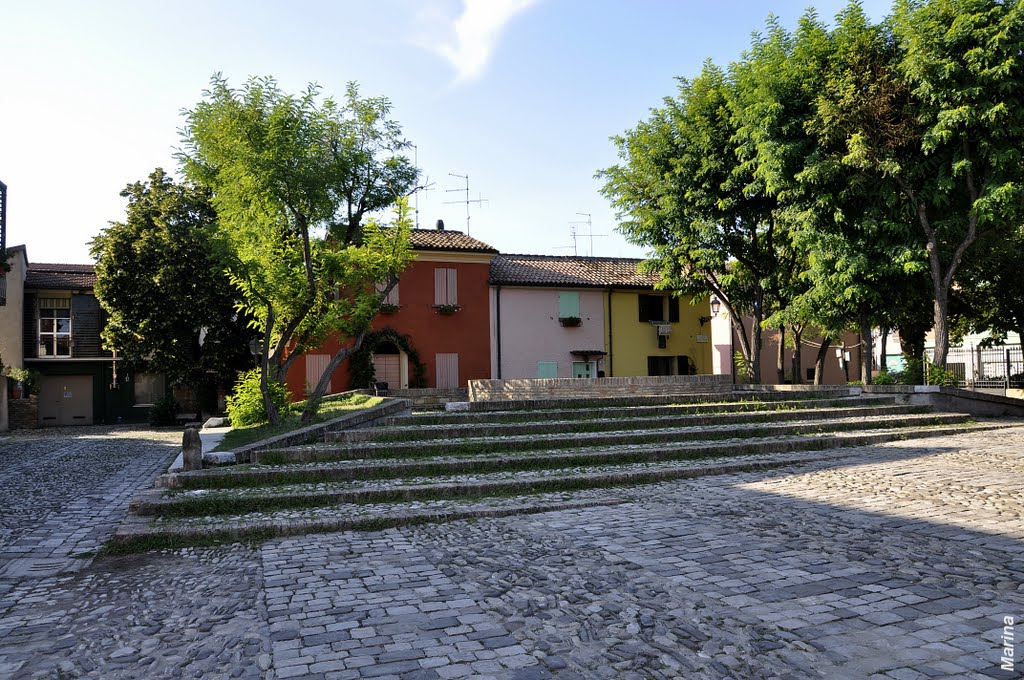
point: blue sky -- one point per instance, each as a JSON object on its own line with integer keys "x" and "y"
{"x": 521, "y": 95}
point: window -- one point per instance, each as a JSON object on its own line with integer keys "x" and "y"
{"x": 54, "y": 327}
{"x": 392, "y": 297}
{"x": 446, "y": 286}
{"x": 547, "y": 369}
{"x": 447, "y": 371}
{"x": 149, "y": 388}
{"x": 652, "y": 308}
{"x": 568, "y": 305}
{"x": 659, "y": 365}
{"x": 686, "y": 367}
{"x": 673, "y": 310}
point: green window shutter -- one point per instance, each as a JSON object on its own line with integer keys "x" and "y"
{"x": 568, "y": 305}
{"x": 547, "y": 369}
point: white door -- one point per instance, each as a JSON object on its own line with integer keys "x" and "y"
{"x": 584, "y": 369}
{"x": 388, "y": 368}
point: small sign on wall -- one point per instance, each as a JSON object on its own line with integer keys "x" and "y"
{"x": 67, "y": 394}
{"x": 702, "y": 338}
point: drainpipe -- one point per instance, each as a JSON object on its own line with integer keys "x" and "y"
{"x": 610, "y": 353}
{"x": 497, "y": 330}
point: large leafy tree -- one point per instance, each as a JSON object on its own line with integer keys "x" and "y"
{"x": 680, "y": 190}
{"x": 293, "y": 177}
{"x": 950, "y": 145}
{"x": 162, "y": 281}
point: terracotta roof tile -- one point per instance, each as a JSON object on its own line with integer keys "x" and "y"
{"x": 443, "y": 239}
{"x": 569, "y": 270}
{"x": 50, "y": 276}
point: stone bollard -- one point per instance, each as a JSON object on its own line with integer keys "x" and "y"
{"x": 192, "y": 449}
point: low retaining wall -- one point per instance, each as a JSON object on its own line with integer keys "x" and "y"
{"x": 525, "y": 389}
{"x": 360, "y": 418}
{"x": 428, "y": 396}
{"x": 24, "y": 413}
{"x": 953, "y": 400}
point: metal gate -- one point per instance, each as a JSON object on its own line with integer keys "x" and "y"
{"x": 985, "y": 368}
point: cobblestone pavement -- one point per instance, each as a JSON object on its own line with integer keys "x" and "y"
{"x": 896, "y": 561}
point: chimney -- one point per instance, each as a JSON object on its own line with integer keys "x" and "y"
{"x": 440, "y": 225}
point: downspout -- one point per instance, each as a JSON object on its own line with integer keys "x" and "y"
{"x": 611, "y": 355}
{"x": 497, "y": 330}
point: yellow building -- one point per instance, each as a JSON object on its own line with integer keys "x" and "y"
{"x": 652, "y": 332}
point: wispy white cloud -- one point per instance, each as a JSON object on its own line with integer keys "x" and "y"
{"x": 475, "y": 34}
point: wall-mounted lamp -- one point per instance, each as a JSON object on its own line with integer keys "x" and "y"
{"x": 716, "y": 305}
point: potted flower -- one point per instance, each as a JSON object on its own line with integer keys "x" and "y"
{"x": 388, "y": 308}
{"x": 570, "y": 321}
{"x": 446, "y": 309}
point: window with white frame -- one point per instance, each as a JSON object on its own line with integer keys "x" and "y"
{"x": 54, "y": 327}
{"x": 446, "y": 288}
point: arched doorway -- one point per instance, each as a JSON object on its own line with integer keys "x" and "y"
{"x": 391, "y": 365}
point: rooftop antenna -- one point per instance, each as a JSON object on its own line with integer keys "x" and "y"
{"x": 467, "y": 201}
{"x": 428, "y": 186}
{"x": 590, "y": 231}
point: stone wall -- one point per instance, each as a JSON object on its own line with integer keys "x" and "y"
{"x": 569, "y": 388}
{"x": 3, "y": 404}
{"x": 24, "y": 413}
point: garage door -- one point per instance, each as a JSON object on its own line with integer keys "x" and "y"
{"x": 65, "y": 400}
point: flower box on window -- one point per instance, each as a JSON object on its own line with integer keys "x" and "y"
{"x": 447, "y": 310}
{"x": 388, "y": 308}
{"x": 570, "y": 321}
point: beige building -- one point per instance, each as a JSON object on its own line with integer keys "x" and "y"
{"x": 12, "y": 298}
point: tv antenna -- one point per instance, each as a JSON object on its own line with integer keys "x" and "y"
{"x": 427, "y": 186}
{"x": 574, "y": 233}
{"x": 477, "y": 200}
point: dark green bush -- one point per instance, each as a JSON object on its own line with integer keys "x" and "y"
{"x": 245, "y": 404}
{"x": 164, "y": 412}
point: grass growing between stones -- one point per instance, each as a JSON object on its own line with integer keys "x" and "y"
{"x": 330, "y": 407}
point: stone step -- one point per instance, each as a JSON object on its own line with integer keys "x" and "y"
{"x": 451, "y": 418}
{"x": 324, "y": 491}
{"x": 548, "y": 425}
{"x": 570, "y": 440}
{"x": 251, "y": 476}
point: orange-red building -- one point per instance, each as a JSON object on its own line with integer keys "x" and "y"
{"x": 434, "y": 329}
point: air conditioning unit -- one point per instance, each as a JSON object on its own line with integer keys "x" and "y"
{"x": 664, "y": 329}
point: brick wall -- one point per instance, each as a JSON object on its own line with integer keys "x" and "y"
{"x": 23, "y": 413}
{"x": 567, "y": 388}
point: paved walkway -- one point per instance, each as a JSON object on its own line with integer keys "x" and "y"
{"x": 898, "y": 561}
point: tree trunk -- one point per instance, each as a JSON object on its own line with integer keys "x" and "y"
{"x": 780, "y": 357}
{"x": 941, "y": 326}
{"x": 798, "y": 369}
{"x": 754, "y": 364}
{"x": 315, "y": 397}
{"x": 882, "y": 342}
{"x": 272, "y": 415}
{"x": 866, "y": 349}
{"x": 819, "y": 364}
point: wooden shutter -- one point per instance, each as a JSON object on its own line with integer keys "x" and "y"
{"x": 568, "y": 305}
{"x": 30, "y": 327}
{"x": 452, "y": 286}
{"x": 447, "y": 366}
{"x": 547, "y": 369}
{"x": 644, "y": 317}
{"x": 440, "y": 286}
{"x": 673, "y": 309}
{"x": 85, "y": 326}
{"x": 316, "y": 364}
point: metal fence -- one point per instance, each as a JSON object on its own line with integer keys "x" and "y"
{"x": 986, "y": 368}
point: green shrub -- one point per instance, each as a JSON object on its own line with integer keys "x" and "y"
{"x": 245, "y": 403}
{"x": 886, "y": 378}
{"x": 164, "y": 412}
{"x": 942, "y": 377}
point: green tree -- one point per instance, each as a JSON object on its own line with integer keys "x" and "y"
{"x": 949, "y": 142}
{"x": 161, "y": 279}
{"x": 293, "y": 178}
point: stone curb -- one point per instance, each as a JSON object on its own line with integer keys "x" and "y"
{"x": 137, "y": 530}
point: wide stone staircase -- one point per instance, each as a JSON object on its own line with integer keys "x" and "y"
{"x": 503, "y": 458}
